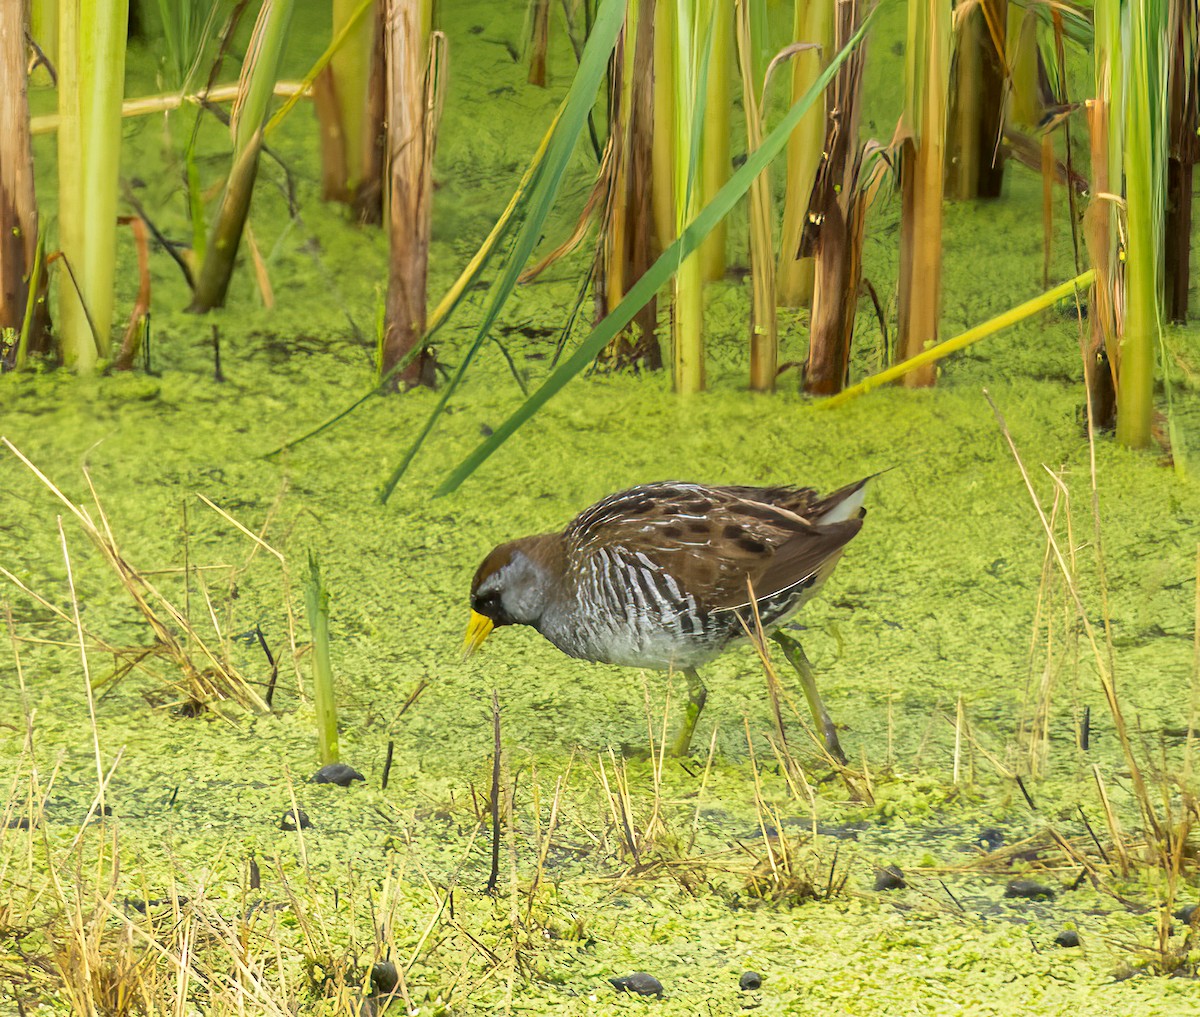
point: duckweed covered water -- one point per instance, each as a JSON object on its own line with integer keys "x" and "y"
{"x": 935, "y": 601}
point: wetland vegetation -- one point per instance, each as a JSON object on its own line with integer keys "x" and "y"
{"x": 1010, "y": 646}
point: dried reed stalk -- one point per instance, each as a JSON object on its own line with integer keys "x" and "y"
{"x": 415, "y": 61}
{"x": 628, "y": 242}
{"x": 18, "y": 205}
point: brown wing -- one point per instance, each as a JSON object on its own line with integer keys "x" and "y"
{"x": 710, "y": 540}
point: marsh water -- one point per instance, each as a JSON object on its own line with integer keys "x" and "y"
{"x": 943, "y": 632}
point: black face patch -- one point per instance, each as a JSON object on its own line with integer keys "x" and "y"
{"x": 491, "y": 606}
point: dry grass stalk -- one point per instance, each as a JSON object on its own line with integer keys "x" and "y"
{"x": 1103, "y": 662}
{"x": 214, "y": 679}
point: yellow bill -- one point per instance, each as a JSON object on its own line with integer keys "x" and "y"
{"x": 478, "y": 629}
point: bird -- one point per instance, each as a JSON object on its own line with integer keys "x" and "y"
{"x": 666, "y": 575}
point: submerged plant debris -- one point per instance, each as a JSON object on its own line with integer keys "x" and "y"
{"x": 943, "y": 645}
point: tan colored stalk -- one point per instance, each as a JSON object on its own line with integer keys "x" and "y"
{"x": 927, "y": 81}
{"x": 764, "y": 338}
{"x": 834, "y": 235}
{"x": 975, "y": 169}
{"x": 539, "y": 42}
{"x": 414, "y": 63}
{"x": 714, "y": 151}
{"x": 18, "y": 205}
{"x": 813, "y": 23}
{"x": 629, "y": 244}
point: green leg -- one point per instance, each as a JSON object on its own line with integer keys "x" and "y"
{"x": 697, "y": 694}
{"x": 795, "y": 655}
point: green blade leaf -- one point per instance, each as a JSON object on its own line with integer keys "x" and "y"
{"x": 658, "y": 273}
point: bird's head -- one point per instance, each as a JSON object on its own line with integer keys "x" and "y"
{"x": 509, "y": 588}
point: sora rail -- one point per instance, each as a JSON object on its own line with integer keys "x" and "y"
{"x": 660, "y": 576}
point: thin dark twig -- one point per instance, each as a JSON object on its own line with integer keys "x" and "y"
{"x": 274, "y": 664}
{"x": 1021, "y": 785}
{"x": 832, "y": 869}
{"x": 952, "y": 897}
{"x": 495, "y": 873}
{"x": 1092, "y": 833}
{"x": 387, "y": 764}
{"x": 167, "y": 245}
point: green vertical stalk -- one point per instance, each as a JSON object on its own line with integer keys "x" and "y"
{"x": 43, "y": 29}
{"x": 90, "y": 89}
{"x": 316, "y": 602}
{"x": 259, "y": 73}
{"x": 813, "y": 22}
{"x": 693, "y": 41}
{"x": 926, "y": 80}
{"x": 1101, "y": 231}
{"x": 1145, "y": 165}
{"x": 715, "y": 151}
{"x": 663, "y": 161}
{"x": 764, "y": 337}
{"x": 350, "y": 72}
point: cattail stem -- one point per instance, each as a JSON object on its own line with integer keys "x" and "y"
{"x": 1145, "y": 186}
{"x": 715, "y": 155}
{"x": 91, "y": 80}
{"x": 927, "y": 71}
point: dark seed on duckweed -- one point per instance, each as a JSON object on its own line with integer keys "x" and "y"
{"x": 295, "y": 820}
{"x": 990, "y": 839}
{"x": 750, "y": 981}
{"x": 337, "y": 773}
{"x": 1068, "y": 937}
{"x": 889, "y": 878}
{"x": 1028, "y": 889}
{"x": 639, "y": 982}
{"x": 384, "y": 977}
